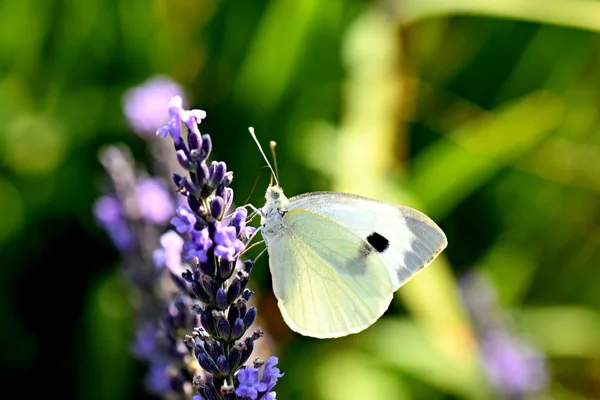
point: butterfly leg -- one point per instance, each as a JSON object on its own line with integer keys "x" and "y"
{"x": 252, "y": 246}
{"x": 255, "y": 212}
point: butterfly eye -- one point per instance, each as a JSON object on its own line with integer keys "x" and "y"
{"x": 275, "y": 195}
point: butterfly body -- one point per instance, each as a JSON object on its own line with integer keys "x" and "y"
{"x": 336, "y": 259}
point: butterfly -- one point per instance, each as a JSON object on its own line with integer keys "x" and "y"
{"x": 336, "y": 259}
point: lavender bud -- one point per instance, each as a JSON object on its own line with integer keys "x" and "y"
{"x": 210, "y": 392}
{"x": 223, "y": 329}
{"x": 209, "y": 286}
{"x": 183, "y": 160}
{"x": 208, "y": 267}
{"x": 208, "y": 323}
{"x": 191, "y": 188}
{"x": 194, "y": 140}
{"x": 216, "y": 207}
{"x": 238, "y": 329}
{"x": 228, "y": 178}
{"x": 218, "y": 173}
{"x": 241, "y": 305}
{"x": 206, "y": 145}
{"x": 247, "y": 294}
{"x": 233, "y": 314}
{"x": 223, "y": 365}
{"x": 202, "y": 174}
{"x": 200, "y": 292}
{"x": 225, "y": 269}
{"x": 220, "y": 191}
{"x": 213, "y": 348}
{"x": 221, "y": 299}
{"x": 179, "y": 282}
{"x": 189, "y": 341}
{"x": 177, "y": 179}
{"x": 234, "y": 290}
{"x": 248, "y": 264}
{"x": 247, "y": 351}
{"x": 215, "y": 286}
{"x": 195, "y": 206}
{"x": 205, "y": 360}
{"x": 206, "y": 363}
{"x": 235, "y": 356}
{"x": 180, "y": 145}
{"x": 250, "y": 317}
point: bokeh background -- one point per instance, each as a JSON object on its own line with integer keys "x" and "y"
{"x": 483, "y": 114}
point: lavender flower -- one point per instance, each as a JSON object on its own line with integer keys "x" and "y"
{"x": 248, "y": 384}
{"x": 135, "y": 201}
{"x": 512, "y": 366}
{"x": 134, "y": 214}
{"x": 144, "y": 104}
{"x": 515, "y": 369}
{"x": 214, "y": 238}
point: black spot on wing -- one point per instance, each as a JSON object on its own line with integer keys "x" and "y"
{"x": 379, "y": 243}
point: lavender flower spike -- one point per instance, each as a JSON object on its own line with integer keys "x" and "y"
{"x": 213, "y": 242}
{"x": 514, "y": 368}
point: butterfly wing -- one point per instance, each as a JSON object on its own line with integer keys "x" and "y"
{"x": 406, "y": 239}
{"x": 328, "y": 281}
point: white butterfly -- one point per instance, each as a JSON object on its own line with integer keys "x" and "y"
{"x": 336, "y": 259}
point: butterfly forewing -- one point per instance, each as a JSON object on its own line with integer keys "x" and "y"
{"x": 405, "y": 239}
{"x": 328, "y": 281}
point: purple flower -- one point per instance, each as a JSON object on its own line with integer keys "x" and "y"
{"x": 238, "y": 221}
{"x": 184, "y": 219}
{"x": 198, "y": 246}
{"x": 271, "y": 396}
{"x": 107, "y": 210}
{"x": 178, "y": 115}
{"x": 144, "y": 104}
{"x": 512, "y": 366}
{"x": 271, "y": 373}
{"x": 169, "y": 255}
{"x": 154, "y": 201}
{"x": 109, "y": 215}
{"x": 227, "y": 245}
{"x": 249, "y": 386}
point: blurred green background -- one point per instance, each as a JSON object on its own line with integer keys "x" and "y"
{"x": 483, "y": 114}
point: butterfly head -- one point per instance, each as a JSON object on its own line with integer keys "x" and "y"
{"x": 273, "y": 211}
{"x": 275, "y": 196}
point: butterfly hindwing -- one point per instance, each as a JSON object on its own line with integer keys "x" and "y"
{"x": 328, "y": 281}
{"x": 405, "y": 239}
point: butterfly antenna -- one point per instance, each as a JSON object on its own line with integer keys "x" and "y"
{"x": 251, "y": 129}
{"x": 272, "y": 145}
